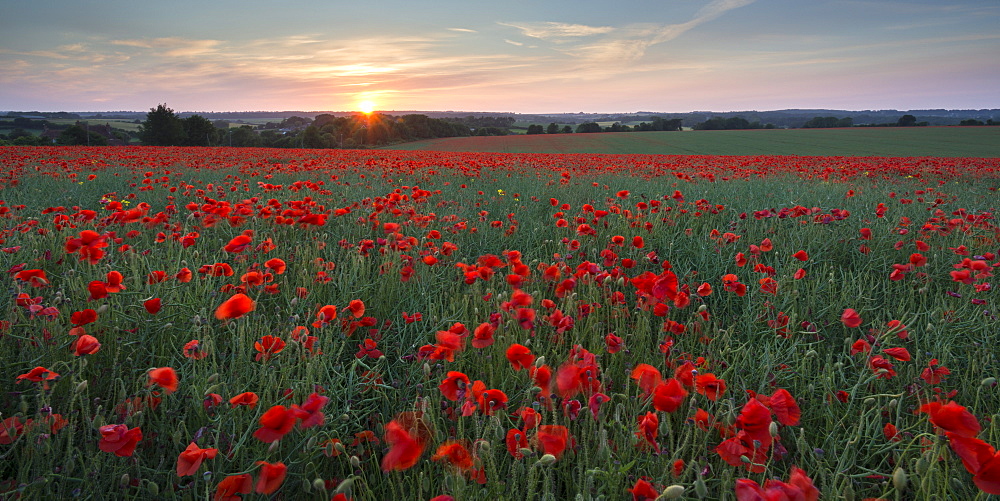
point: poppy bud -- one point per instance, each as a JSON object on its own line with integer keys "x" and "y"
{"x": 273, "y": 446}
{"x": 153, "y": 489}
{"x": 525, "y": 452}
{"x": 83, "y": 363}
{"x": 311, "y": 442}
{"x": 989, "y": 382}
{"x": 345, "y": 418}
{"x": 811, "y": 354}
{"x": 773, "y": 429}
{"x": 320, "y": 485}
{"x": 899, "y": 479}
{"x": 673, "y": 492}
{"x": 700, "y": 488}
{"x": 207, "y": 476}
{"x": 213, "y": 378}
{"x": 869, "y": 402}
{"x": 540, "y": 361}
{"x": 82, "y": 386}
{"x": 922, "y": 465}
{"x": 124, "y": 480}
{"x": 339, "y": 447}
{"x": 427, "y": 370}
{"x": 892, "y": 404}
{"x": 307, "y": 485}
{"x": 355, "y": 462}
{"x": 102, "y": 309}
{"x": 848, "y": 493}
{"x": 98, "y": 420}
{"x": 546, "y": 460}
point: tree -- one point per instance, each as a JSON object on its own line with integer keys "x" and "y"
{"x": 78, "y": 136}
{"x": 589, "y": 127}
{"x": 567, "y": 129}
{"x": 907, "y": 121}
{"x": 552, "y": 128}
{"x": 199, "y": 131}
{"x": 535, "y": 129}
{"x": 162, "y": 128}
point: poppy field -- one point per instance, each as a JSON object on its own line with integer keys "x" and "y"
{"x": 226, "y": 323}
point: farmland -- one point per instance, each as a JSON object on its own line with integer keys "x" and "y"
{"x": 193, "y": 323}
{"x": 859, "y": 141}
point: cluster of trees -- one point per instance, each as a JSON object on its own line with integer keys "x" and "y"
{"x": 828, "y": 123}
{"x": 164, "y": 128}
{"x": 377, "y": 129}
{"x": 657, "y": 124}
{"x": 731, "y": 123}
{"x": 973, "y": 121}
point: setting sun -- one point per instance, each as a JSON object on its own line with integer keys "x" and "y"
{"x": 366, "y": 107}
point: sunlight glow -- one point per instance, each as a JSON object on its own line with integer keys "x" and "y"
{"x": 366, "y": 107}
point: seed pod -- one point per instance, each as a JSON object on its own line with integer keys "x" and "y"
{"x": 673, "y": 492}
{"x": 700, "y": 489}
{"x": 899, "y": 479}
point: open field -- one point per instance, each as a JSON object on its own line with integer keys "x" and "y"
{"x": 875, "y": 141}
{"x": 204, "y": 323}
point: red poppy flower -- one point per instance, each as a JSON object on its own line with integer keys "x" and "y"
{"x": 552, "y": 439}
{"x": 164, "y": 377}
{"x": 649, "y": 427}
{"x": 191, "y": 458}
{"x": 152, "y": 305}
{"x": 785, "y": 408}
{"x": 275, "y": 265}
{"x": 119, "y": 439}
{"x": 520, "y": 357}
{"x": 193, "y": 350}
{"x": 404, "y": 448}
{"x": 850, "y": 318}
{"x": 247, "y": 398}
{"x": 454, "y": 453}
{"x": 516, "y": 440}
{"x": 235, "y": 307}
{"x": 643, "y": 491}
{"x": 453, "y": 387}
{"x": 83, "y": 317}
{"x": 230, "y": 487}
{"x": 275, "y": 423}
{"x": 952, "y": 418}
{"x": 267, "y": 347}
{"x": 482, "y": 336}
{"x": 710, "y": 386}
{"x": 34, "y": 278}
{"x": 669, "y": 396}
{"x": 270, "y": 478}
{"x": 801, "y": 255}
{"x": 85, "y": 345}
{"x": 310, "y": 412}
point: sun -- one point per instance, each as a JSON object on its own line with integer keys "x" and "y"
{"x": 366, "y": 107}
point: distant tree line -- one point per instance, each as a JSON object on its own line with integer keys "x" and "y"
{"x": 163, "y": 127}
{"x": 731, "y": 123}
{"x": 828, "y": 122}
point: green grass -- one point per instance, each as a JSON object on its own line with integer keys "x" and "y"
{"x": 887, "y": 141}
{"x": 840, "y": 445}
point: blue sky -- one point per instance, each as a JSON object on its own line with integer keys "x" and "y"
{"x": 529, "y": 57}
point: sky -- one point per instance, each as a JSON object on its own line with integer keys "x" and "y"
{"x": 607, "y": 56}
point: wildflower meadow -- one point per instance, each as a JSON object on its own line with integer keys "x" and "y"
{"x": 227, "y": 323}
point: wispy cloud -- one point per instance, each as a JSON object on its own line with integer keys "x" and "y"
{"x": 618, "y": 46}
{"x": 172, "y": 46}
{"x": 558, "y": 31}
{"x": 462, "y": 30}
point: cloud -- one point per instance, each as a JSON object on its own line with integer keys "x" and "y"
{"x": 513, "y": 42}
{"x": 462, "y": 30}
{"x": 174, "y": 47}
{"x": 558, "y": 31}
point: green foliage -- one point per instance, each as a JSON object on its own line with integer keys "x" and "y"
{"x": 76, "y": 135}
{"x": 162, "y": 128}
{"x": 199, "y": 131}
{"x": 856, "y": 141}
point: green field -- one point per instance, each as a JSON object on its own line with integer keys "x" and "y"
{"x": 889, "y": 141}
